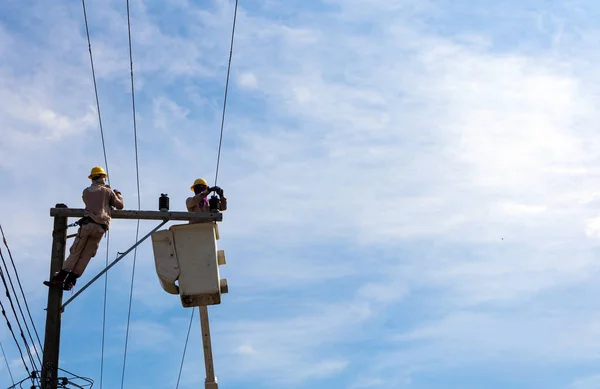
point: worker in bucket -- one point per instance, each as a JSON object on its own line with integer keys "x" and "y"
{"x": 99, "y": 199}
{"x": 200, "y": 203}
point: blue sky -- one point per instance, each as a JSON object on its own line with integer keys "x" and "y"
{"x": 412, "y": 186}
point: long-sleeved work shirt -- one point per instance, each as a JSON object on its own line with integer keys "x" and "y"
{"x": 98, "y": 201}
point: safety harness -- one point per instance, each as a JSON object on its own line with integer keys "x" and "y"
{"x": 87, "y": 220}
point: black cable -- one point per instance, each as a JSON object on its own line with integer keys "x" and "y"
{"x": 12, "y": 261}
{"x": 138, "y": 192}
{"x": 7, "y": 365}
{"x": 107, "y": 179}
{"x": 15, "y": 338}
{"x": 12, "y": 286}
{"x": 185, "y": 347}
{"x": 137, "y": 170}
{"x": 95, "y": 87}
{"x": 32, "y": 360}
{"x": 218, "y": 159}
{"x": 88, "y": 380}
{"x": 226, "y": 89}
{"x": 104, "y": 311}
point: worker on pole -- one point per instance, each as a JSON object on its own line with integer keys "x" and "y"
{"x": 200, "y": 203}
{"x": 99, "y": 199}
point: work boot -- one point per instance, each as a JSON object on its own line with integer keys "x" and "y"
{"x": 70, "y": 281}
{"x": 58, "y": 279}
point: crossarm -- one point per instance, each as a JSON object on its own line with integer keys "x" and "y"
{"x": 144, "y": 215}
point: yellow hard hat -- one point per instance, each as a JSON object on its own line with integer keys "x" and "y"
{"x": 199, "y": 181}
{"x": 97, "y": 171}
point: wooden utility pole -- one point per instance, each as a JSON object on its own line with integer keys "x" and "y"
{"x": 49, "y": 379}
{"x": 211, "y": 380}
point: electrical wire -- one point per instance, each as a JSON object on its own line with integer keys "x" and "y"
{"x": 185, "y": 347}
{"x": 88, "y": 380}
{"x": 15, "y": 339}
{"x": 87, "y": 30}
{"x": 226, "y": 89}
{"x": 22, "y": 294}
{"x": 218, "y": 158}
{"x": 35, "y": 351}
{"x": 7, "y": 365}
{"x": 31, "y": 359}
{"x": 137, "y": 171}
{"x": 137, "y": 168}
{"x": 12, "y": 286}
{"x": 104, "y": 312}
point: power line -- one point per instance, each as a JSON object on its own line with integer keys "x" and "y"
{"x": 185, "y": 347}
{"x": 2, "y": 272}
{"x": 104, "y": 311}
{"x": 32, "y": 360}
{"x": 15, "y": 339}
{"x": 87, "y": 30}
{"x": 12, "y": 286}
{"x": 22, "y": 292}
{"x": 137, "y": 172}
{"x": 7, "y": 365}
{"x": 218, "y": 156}
{"x": 95, "y": 87}
{"x": 226, "y": 89}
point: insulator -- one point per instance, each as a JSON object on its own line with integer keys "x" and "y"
{"x": 214, "y": 203}
{"x": 163, "y": 202}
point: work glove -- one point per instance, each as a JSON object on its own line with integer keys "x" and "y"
{"x": 218, "y": 190}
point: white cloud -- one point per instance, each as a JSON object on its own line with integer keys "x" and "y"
{"x": 246, "y": 350}
{"x": 476, "y": 339}
{"x": 593, "y": 227}
{"x": 248, "y": 80}
{"x": 521, "y": 209}
{"x": 150, "y": 336}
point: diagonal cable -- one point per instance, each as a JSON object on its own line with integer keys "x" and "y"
{"x": 10, "y": 300}
{"x": 7, "y": 365}
{"x": 2, "y": 273}
{"x": 137, "y": 172}
{"x": 104, "y": 312}
{"x": 218, "y": 160}
{"x": 185, "y": 347}
{"x": 226, "y": 89}
{"x": 22, "y": 294}
{"x": 15, "y": 339}
{"x": 87, "y": 30}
